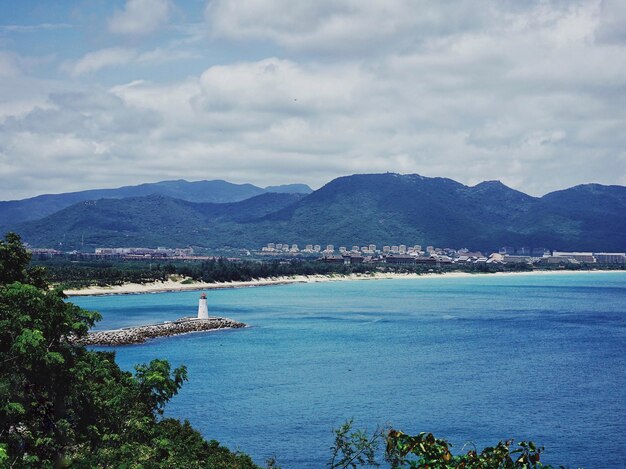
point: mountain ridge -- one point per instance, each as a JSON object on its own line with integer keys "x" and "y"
{"x": 361, "y": 209}
{"x": 216, "y": 191}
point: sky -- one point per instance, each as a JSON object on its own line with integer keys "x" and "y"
{"x": 105, "y": 93}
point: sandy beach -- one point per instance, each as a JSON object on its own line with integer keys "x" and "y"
{"x": 185, "y": 285}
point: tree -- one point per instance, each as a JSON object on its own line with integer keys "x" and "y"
{"x": 354, "y": 449}
{"x": 63, "y": 405}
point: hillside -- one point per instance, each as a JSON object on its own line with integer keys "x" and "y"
{"x": 217, "y": 191}
{"x": 359, "y": 209}
{"x": 153, "y": 220}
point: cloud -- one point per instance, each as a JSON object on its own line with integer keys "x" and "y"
{"x": 348, "y": 26}
{"x": 612, "y": 27}
{"x": 94, "y": 61}
{"x": 33, "y": 28}
{"x": 9, "y": 64}
{"x": 140, "y": 17}
{"x": 530, "y": 93}
{"x": 120, "y": 56}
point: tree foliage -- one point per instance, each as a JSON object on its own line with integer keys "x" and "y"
{"x": 62, "y": 405}
{"x": 356, "y": 448}
{"x": 426, "y": 451}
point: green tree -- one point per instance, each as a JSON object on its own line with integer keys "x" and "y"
{"x": 62, "y": 405}
{"x": 355, "y": 448}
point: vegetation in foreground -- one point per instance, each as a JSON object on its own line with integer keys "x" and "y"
{"x": 66, "y": 406}
{"x": 62, "y": 405}
{"x": 356, "y": 448}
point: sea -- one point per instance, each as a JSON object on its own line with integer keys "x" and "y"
{"x": 474, "y": 360}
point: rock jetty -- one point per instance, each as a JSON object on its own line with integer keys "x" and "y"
{"x": 139, "y": 334}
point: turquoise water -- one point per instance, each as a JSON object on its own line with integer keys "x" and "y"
{"x": 479, "y": 359}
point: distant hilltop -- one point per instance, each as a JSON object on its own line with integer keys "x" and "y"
{"x": 215, "y": 191}
{"x": 358, "y": 209}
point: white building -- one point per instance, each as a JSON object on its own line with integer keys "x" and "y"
{"x": 203, "y": 310}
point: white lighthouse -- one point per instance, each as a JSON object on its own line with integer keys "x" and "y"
{"x": 203, "y": 310}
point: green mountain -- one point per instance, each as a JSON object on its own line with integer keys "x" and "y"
{"x": 359, "y": 209}
{"x": 217, "y": 191}
{"x": 153, "y": 220}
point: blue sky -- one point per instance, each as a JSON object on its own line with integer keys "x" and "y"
{"x": 108, "y": 93}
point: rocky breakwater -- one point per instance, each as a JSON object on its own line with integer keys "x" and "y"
{"x": 139, "y": 334}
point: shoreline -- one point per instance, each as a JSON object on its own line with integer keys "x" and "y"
{"x": 178, "y": 286}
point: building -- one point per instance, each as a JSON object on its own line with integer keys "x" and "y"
{"x": 576, "y": 256}
{"x": 203, "y": 310}
{"x": 404, "y": 259}
{"x": 516, "y": 259}
{"x": 610, "y": 257}
{"x": 332, "y": 259}
{"x": 350, "y": 259}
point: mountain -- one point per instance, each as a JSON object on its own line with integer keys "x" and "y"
{"x": 153, "y": 220}
{"x": 216, "y": 191}
{"x": 392, "y": 209}
{"x": 359, "y": 209}
{"x": 290, "y": 189}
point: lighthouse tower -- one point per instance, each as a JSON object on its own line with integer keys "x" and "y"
{"x": 203, "y": 310}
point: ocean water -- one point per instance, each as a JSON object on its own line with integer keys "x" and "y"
{"x": 473, "y": 360}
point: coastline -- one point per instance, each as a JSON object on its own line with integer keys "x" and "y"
{"x": 178, "y": 286}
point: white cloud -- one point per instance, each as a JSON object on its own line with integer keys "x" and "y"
{"x": 344, "y": 26}
{"x": 8, "y": 64}
{"x": 120, "y": 56}
{"x": 530, "y": 93}
{"x": 140, "y": 17}
{"x": 33, "y": 28}
{"x": 94, "y": 61}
